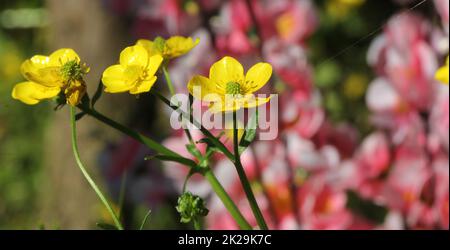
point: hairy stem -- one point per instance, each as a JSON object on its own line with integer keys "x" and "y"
{"x": 168, "y": 80}
{"x": 244, "y": 180}
{"x": 86, "y": 174}
{"x": 208, "y": 174}
{"x": 206, "y": 132}
{"x": 226, "y": 200}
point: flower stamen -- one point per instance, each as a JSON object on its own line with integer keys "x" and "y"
{"x": 73, "y": 70}
{"x": 233, "y": 88}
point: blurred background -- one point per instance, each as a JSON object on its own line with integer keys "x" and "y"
{"x": 363, "y": 138}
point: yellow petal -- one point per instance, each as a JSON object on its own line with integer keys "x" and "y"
{"x": 31, "y": 93}
{"x": 226, "y": 70}
{"x": 38, "y": 69}
{"x": 233, "y": 104}
{"x": 149, "y": 46}
{"x": 153, "y": 64}
{"x": 134, "y": 55}
{"x": 115, "y": 81}
{"x": 442, "y": 75}
{"x": 223, "y": 106}
{"x": 61, "y": 56}
{"x": 226, "y": 104}
{"x": 178, "y": 45}
{"x": 251, "y": 101}
{"x": 257, "y": 77}
{"x": 202, "y": 88}
{"x": 143, "y": 86}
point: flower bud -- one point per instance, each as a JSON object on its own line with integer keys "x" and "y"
{"x": 191, "y": 207}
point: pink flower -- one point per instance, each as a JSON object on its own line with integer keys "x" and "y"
{"x": 373, "y": 157}
{"x": 322, "y": 206}
{"x": 442, "y": 6}
{"x": 291, "y": 64}
{"x": 301, "y": 114}
{"x": 406, "y": 180}
{"x": 439, "y": 118}
{"x": 290, "y": 21}
{"x": 402, "y": 55}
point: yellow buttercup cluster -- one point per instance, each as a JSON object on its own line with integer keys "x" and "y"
{"x": 171, "y": 48}
{"x": 227, "y": 88}
{"x": 47, "y": 76}
{"x": 443, "y": 72}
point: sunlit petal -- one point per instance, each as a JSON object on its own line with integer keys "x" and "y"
{"x": 134, "y": 55}
{"x": 143, "y": 86}
{"x": 61, "y": 56}
{"x": 31, "y": 93}
{"x": 114, "y": 79}
{"x": 226, "y": 70}
{"x": 257, "y": 77}
{"x": 178, "y": 45}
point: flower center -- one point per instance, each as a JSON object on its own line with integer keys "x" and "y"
{"x": 233, "y": 88}
{"x": 73, "y": 70}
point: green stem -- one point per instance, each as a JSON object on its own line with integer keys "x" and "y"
{"x": 123, "y": 189}
{"x": 172, "y": 93}
{"x": 217, "y": 187}
{"x": 168, "y": 80}
{"x": 197, "y": 224}
{"x": 227, "y": 201}
{"x": 139, "y": 137}
{"x": 145, "y": 219}
{"x": 212, "y": 179}
{"x": 206, "y": 132}
{"x": 86, "y": 174}
{"x": 243, "y": 177}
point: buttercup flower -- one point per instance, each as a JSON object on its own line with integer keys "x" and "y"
{"x": 227, "y": 88}
{"x": 171, "y": 48}
{"x": 442, "y": 73}
{"x": 49, "y": 75}
{"x": 135, "y": 73}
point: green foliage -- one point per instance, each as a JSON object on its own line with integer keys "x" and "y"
{"x": 249, "y": 133}
{"x": 366, "y": 208}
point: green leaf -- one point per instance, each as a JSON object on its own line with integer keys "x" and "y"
{"x": 191, "y": 148}
{"x": 106, "y": 226}
{"x": 180, "y": 160}
{"x": 366, "y": 208}
{"x": 249, "y": 133}
{"x": 145, "y": 219}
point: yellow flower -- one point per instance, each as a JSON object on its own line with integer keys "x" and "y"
{"x": 135, "y": 73}
{"x": 355, "y": 86}
{"x": 227, "y": 88}
{"x": 49, "y": 75}
{"x": 341, "y": 8}
{"x": 171, "y": 48}
{"x": 442, "y": 73}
